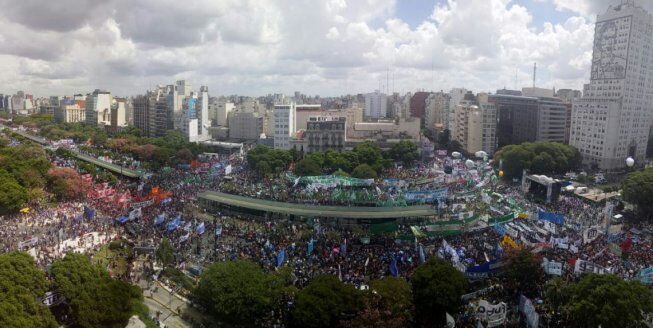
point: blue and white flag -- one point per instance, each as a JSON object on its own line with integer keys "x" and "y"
{"x": 159, "y": 219}
{"x": 218, "y": 230}
{"x": 281, "y": 257}
{"x": 310, "y": 247}
{"x": 200, "y": 228}
{"x": 422, "y": 256}
{"x": 394, "y": 271}
{"x": 343, "y": 248}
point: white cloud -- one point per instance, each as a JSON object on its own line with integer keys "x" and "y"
{"x": 318, "y": 46}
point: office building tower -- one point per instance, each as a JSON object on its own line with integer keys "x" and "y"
{"x": 376, "y": 105}
{"x": 612, "y": 120}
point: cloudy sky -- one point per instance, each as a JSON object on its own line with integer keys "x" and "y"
{"x": 326, "y": 47}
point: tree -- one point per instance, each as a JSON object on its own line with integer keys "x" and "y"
{"x": 444, "y": 138}
{"x": 364, "y": 171}
{"x": 607, "y": 301}
{"x": 369, "y": 153}
{"x": 307, "y": 167}
{"x": 65, "y": 183}
{"x": 340, "y": 173}
{"x": 404, "y": 151}
{"x": 437, "y": 288}
{"x": 12, "y": 195}
{"x": 22, "y": 286}
{"x": 93, "y": 299}
{"x": 389, "y": 304}
{"x": 539, "y": 157}
{"x": 237, "y": 292}
{"x": 324, "y": 303}
{"x": 523, "y": 273}
{"x": 184, "y": 155}
{"x": 638, "y": 189}
{"x": 165, "y": 254}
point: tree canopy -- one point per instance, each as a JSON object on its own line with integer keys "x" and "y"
{"x": 93, "y": 299}
{"x": 607, "y": 301}
{"x": 404, "y": 151}
{"x": 437, "y": 288}
{"x": 237, "y": 292}
{"x": 165, "y": 253}
{"x": 364, "y": 171}
{"x": 540, "y": 157}
{"x": 638, "y": 189}
{"x": 307, "y": 167}
{"x": 325, "y": 302}
{"x": 523, "y": 272}
{"x": 22, "y": 286}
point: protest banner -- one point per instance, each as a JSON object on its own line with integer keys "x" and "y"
{"x": 558, "y": 219}
{"x": 28, "y": 243}
{"x": 587, "y": 267}
{"x": 493, "y": 314}
{"x": 552, "y": 267}
{"x": 526, "y": 307}
{"x": 590, "y": 234}
{"x": 646, "y": 276}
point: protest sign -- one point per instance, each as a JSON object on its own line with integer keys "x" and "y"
{"x": 494, "y": 314}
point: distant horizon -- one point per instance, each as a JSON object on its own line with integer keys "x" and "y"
{"x": 327, "y": 48}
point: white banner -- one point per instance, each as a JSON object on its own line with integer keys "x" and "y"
{"x": 590, "y": 234}
{"x": 135, "y": 214}
{"x": 573, "y": 249}
{"x": 512, "y": 232}
{"x": 527, "y": 308}
{"x": 494, "y": 314}
{"x": 142, "y": 204}
{"x": 588, "y": 267}
{"x": 552, "y": 267}
{"x": 28, "y": 243}
{"x": 550, "y": 227}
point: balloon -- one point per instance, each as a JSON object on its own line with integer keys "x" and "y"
{"x": 456, "y": 154}
{"x": 630, "y": 162}
{"x": 469, "y": 163}
{"x": 500, "y": 174}
{"x": 480, "y": 154}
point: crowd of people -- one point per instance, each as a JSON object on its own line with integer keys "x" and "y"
{"x": 355, "y": 255}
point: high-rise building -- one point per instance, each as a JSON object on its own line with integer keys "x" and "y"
{"x": 527, "y": 119}
{"x": 418, "y": 104}
{"x": 245, "y": 126}
{"x": 98, "y": 108}
{"x": 376, "y": 105}
{"x": 456, "y": 95}
{"x": 437, "y": 105}
{"x": 611, "y": 121}
{"x": 141, "y": 114}
{"x": 203, "y": 121}
{"x": 475, "y": 124}
{"x": 284, "y": 125}
{"x": 219, "y": 112}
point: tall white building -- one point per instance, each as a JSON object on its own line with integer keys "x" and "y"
{"x": 376, "y": 105}
{"x": 98, "y": 108}
{"x": 456, "y": 95}
{"x": 611, "y": 121}
{"x": 284, "y": 125}
{"x": 437, "y": 105}
{"x": 219, "y": 111}
{"x": 203, "y": 121}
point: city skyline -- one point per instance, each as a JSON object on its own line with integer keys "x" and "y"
{"x": 326, "y": 47}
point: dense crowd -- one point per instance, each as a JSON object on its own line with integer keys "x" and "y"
{"x": 355, "y": 255}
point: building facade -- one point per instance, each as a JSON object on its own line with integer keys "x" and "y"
{"x": 98, "y": 108}
{"x": 476, "y": 124}
{"x": 245, "y": 126}
{"x": 325, "y": 132}
{"x": 284, "y": 125}
{"x": 376, "y": 105}
{"x": 611, "y": 122}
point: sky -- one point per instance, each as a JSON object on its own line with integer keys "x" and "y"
{"x": 325, "y": 47}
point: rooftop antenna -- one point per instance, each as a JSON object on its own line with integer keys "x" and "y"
{"x": 534, "y": 74}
